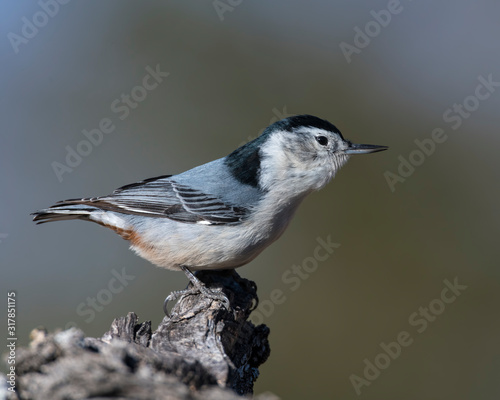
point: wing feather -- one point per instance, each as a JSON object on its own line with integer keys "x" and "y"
{"x": 162, "y": 197}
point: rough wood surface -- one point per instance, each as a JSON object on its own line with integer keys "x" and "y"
{"x": 203, "y": 352}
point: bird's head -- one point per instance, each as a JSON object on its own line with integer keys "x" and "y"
{"x": 301, "y": 153}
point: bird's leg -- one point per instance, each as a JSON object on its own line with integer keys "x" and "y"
{"x": 198, "y": 287}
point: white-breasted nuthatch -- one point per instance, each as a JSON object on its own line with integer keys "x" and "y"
{"x": 222, "y": 214}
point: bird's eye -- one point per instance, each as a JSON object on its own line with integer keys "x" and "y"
{"x": 322, "y": 140}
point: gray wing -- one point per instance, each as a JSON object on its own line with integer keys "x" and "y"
{"x": 162, "y": 197}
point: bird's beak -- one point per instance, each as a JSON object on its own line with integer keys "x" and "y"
{"x": 364, "y": 148}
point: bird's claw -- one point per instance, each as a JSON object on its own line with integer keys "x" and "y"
{"x": 216, "y": 294}
{"x": 171, "y": 297}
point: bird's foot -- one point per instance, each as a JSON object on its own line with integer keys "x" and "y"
{"x": 198, "y": 288}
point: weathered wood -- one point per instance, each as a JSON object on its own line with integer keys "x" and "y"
{"x": 203, "y": 352}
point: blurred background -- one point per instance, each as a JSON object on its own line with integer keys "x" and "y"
{"x": 388, "y": 73}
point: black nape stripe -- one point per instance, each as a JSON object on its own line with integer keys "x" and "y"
{"x": 244, "y": 162}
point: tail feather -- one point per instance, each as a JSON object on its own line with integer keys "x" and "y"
{"x": 48, "y": 215}
{"x": 87, "y": 210}
{"x": 65, "y": 210}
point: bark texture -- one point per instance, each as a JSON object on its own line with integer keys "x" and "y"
{"x": 203, "y": 352}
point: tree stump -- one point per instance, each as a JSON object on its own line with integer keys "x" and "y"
{"x": 203, "y": 352}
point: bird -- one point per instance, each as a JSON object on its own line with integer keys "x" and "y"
{"x": 222, "y": 214}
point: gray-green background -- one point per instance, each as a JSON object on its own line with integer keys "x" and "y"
{"x": 231, "y": 76}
